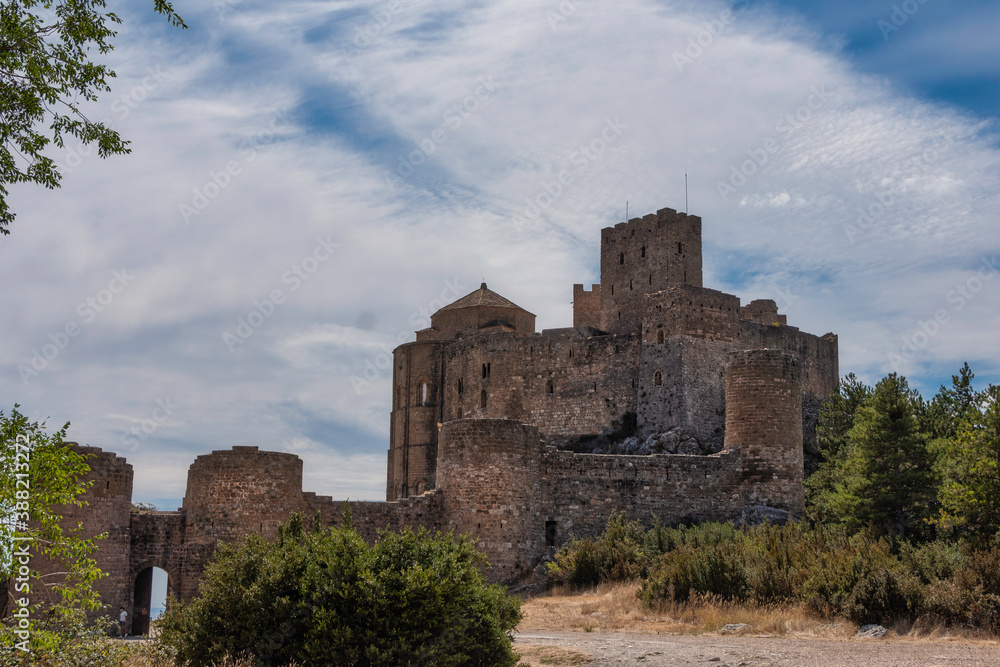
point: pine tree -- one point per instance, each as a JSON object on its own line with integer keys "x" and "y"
{"x": 970, "y": 491}
{"x": 881, "y": 476}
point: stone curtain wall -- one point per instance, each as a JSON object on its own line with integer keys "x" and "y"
{"x": 581, "y": 491}
{"x": 592, "y": 380}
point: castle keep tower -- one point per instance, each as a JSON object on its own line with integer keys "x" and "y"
{"x": 640, "y": 257}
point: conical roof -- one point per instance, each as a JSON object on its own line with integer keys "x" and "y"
{"x": 483, "y": 296}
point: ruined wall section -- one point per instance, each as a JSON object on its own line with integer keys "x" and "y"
{"x": 564, "y": 381}
{"x": 580, "y": 492}
{"x": 763, "y": 417}
{"x": 687, "y": 332}
{"x": 643, "y": 256}
{"x": 417, "y": 405}
{"x": 763, "y": 311}
{"x": 491, "y": 488}
{"x": 587, "y": 306}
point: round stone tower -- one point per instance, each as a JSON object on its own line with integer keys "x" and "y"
{"x": 107, "y": 510}
{"x": 489, "y": 474}
{"x": 238, "y": 491}
{"x": 764, "y": 422}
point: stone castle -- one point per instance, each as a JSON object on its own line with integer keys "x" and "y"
{"x": 665, "y": 400}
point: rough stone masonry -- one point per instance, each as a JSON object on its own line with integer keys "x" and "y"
{"x": 665, "y": 400}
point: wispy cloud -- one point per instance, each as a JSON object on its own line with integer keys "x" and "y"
{"x": 487, "y": 105}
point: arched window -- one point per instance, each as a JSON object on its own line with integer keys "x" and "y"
{"x": 643, "y": 251}
{"x": 680, "y": 247}
{"x": 621, "y": 258}
{"x": 420, "y": 487}
{"x": 659, "y": 336}
{"x": 423, "y": 396}
{"x": 658, "y": 379}
{"x": 484, "y": 371}
{"x": 548, "y": 387}
{"x": 482, "y": 399}
{"x": 461, "y": 387}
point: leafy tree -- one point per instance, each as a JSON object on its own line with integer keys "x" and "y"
{"x": 325, "y": 597}
{"x": 970, "y": 491}
{"x": 883, "y": 476}
{"x": 39, "y": 473}
{"x": 46, "y": 72}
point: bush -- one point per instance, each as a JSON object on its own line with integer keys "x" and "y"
{"x": 877, "y": 598}
{"x": 326, "y": 597}
{"x": 619, "y": 554}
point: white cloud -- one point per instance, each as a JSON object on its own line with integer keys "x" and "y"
{"x": 528, "y": 98}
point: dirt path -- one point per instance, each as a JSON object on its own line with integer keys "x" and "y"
{"x": 606, "y": 648}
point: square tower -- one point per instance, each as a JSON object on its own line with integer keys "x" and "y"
{"x": 643, "y": 256}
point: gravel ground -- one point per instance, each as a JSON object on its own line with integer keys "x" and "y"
{"x": 636, "y": 649}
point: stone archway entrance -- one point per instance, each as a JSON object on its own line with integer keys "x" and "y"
{"x": 152, "y": 585}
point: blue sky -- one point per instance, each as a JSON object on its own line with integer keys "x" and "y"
{"x": 371, "y": 162}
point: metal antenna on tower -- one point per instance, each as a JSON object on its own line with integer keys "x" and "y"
{"x": 686, "y": 191}
{"x": 626, "y": 210}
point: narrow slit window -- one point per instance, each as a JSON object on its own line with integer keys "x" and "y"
{"x": 658, "y": 379}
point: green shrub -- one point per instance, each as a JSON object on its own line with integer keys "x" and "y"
{"x": 877, "y": 598}
{"x": 620, "y": 553}
{"x": 326, "y": 597}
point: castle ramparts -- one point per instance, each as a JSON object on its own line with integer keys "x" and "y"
{"x": 666, "y": 400}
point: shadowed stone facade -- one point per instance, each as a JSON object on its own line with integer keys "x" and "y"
{"x": 490, "y": 421}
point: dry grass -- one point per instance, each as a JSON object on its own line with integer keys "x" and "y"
{"x": 615, "y": 607}
{"x": 550, "y": 656}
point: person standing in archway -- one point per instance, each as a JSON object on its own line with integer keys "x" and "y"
{"x": 122, "y": 618}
